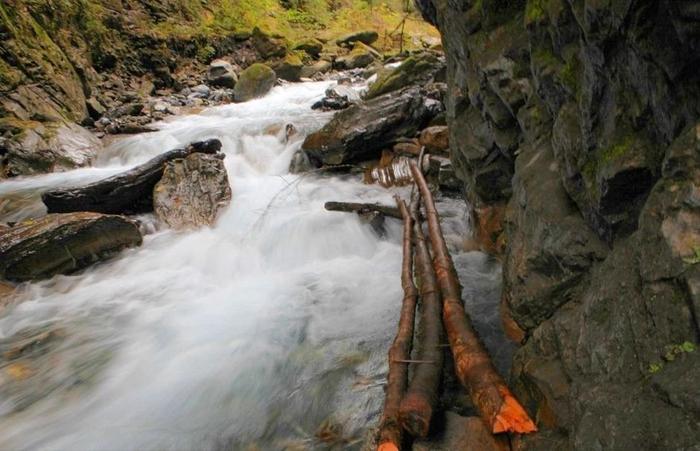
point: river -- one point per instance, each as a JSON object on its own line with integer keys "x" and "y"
{"x": 262, "y": 332}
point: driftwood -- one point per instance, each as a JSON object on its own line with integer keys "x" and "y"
{"x": 353, "y": 207}
{"x": 390, "y": 434}
{"x": 498, "y": 407}
{"x": 126, "y": 193}
{"x": 421, "y": 398}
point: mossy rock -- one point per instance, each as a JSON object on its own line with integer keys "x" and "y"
{"x": 366, "y": 37}
{"x": 361, "y": 56}
{"x": 290, "y": 67}
{"x": 256, "y": 81}
{"x": 414, "y": 70}
{"x": 267, "y": 46}
{"x": 311, "y": 47}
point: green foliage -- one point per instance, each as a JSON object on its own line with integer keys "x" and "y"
{"x": 206, "y": 53}
{"x": 693, "y": 259}
{"x": 671, "y": 353}
{"x": 617, "y": 150}
{"x": 535, "y": 11}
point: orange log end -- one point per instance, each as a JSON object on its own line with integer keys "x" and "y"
{"x": 512, "y": 417}
{"x": 388, "y": 446}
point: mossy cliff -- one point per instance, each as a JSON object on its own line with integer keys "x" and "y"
{"x": 579, "y": 120}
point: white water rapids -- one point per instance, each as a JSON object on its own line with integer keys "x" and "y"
{"x": 252, "y": 334}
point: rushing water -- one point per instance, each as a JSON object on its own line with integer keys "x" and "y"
{"x": 264, "y": 331}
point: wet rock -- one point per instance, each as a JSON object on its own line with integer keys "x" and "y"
{"x": 300, "y": 163}
{"x": 416, "y": 70}
{"x": 255, "y": 81}
{"x": 337, "y": 97}
{"x": 359, "y": 57}
{"x": 363, "y": 130}
{"x": 221, "y": 73}
{"x": 34, "y": 148}
{"x": 458, "y": 433}
{"x": 311, "y": 47}
{"x": 192, "y": 191}
{"x": 127, "y": 193}
{"x": 128, "y": 109}
{"x": 95, "y": 109}
{"x": 289, "y": 68}
{"x": 436, "y": 139}
{"x": 319, "y": 67}
{"x": 366, "y": 37}
{"x": 62, "y": 243}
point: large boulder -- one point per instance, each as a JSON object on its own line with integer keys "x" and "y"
{"x": 360, "y": 56}
{"x": 289, "y": 68}
{"x": 415, "y": 70}
{"x": 126, "y": 193}
{"x": 366, "y": 37}
{"x": 221, "y": 73}
{"x": 29, "y": 147}
{"x": 360, "y": 132}
{"x": 62, "y": 243}
{"x": 311, "y": 47}
{"x": 192, "y": 191}
{"x": 256, "y": 81}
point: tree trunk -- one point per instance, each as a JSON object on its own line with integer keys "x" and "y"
{"x": 390, "y": 435}
{"x": 126, "y": 193}
{"x": 350, "y": 207}
{"x": 421, "y": 398}
{"x": 495, "y": 402}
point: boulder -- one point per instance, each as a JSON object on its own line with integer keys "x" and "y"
{"x": 30, "y": 147}
{"x": 221, "y": 73}
{"x": 192, "y": 191}
{"x": 361, "y": 132}
{"x": 360, "y": 56}
{"x": 268, "y": 46}
{"x": 366, "y": 37}
{"x": 311, "y": 47}
{"x": 62, "y": 243}
{"x": 126, "y": 193}
{"x": 415, "y": 70}
{"x": 435, "y": 139}
{"x": 289, "y": 68}
{"x": 319, "y": 67}
{"x": 256, "y": 81}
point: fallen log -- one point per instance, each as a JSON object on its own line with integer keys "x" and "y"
{"x": 491, "y": 396}
{"x": 422, "y": 397}
{"x": 354, "y": 207}
{"x": 127, "y": 193}
{"x": 390, "y": 434}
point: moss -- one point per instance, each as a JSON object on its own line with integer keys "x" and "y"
{"x": 206, "y": 53}
{"x": 413, "y": 68}
{"x": 535, "y": 11}
{"x": 616, "y": 151}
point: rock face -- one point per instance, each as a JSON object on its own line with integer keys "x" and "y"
{"x": 127, "y": 193}
{"x": 221, "y": 73}
{"x": 573, "y": 121}
{"x": 34, "y": 148}
{"x": 254, "y": 82}
{"x": 192, "y": 191}
{"x": 62, "y": 243}
{"x": 361, "y": 131}
{"x": 415, "y": 70}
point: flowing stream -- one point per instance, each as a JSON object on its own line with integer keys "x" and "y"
{"x": 265, "y": 331}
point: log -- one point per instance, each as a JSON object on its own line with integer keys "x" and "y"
{"x": 493, "y": 399}
{"x": 130, "y": 192}
{"x": 422, "y": 396}
{"x": 353, "y": 207}
{"x": 390, "y": 434}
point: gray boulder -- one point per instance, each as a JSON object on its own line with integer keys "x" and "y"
{"x": 221, "y": 73}
{"x": 192, "y": 191}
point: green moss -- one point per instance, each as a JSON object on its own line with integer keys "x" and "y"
{"x": 569, "y": 74}
{"x": 535, "y": 11}
{"x": 206, "y": 53}
{"x": 616, "y": 151}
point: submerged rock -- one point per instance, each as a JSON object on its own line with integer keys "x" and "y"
{"x": 36, "y": 148}
{"x": 221, "y": 73}
{"x": 192, "y": 191}
{"x": 360, "y": 132}
{"x": 62, "y": 243}
{"x": 256, "y": 81}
